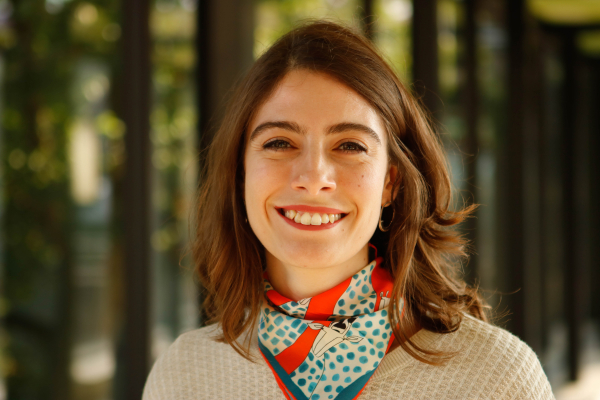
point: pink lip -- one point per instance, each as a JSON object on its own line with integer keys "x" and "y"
{"x": 310, "y": 209}
{"x": 310, "y": 227}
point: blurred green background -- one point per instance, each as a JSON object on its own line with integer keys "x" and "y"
{"x": 515, "y": 92}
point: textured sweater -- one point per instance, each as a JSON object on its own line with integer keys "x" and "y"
{"x": 490, "y": 364}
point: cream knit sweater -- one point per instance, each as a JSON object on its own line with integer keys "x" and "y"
{"x": 490, "y": 364}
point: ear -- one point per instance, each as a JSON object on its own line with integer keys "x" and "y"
{"x": 391, "y": 177}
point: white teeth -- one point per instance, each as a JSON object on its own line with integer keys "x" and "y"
{"x": 316, "y": 219}
{"x": 311, "y": 219}
{"x": 306, "y": 219}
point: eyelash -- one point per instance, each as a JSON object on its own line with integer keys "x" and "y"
{"x": 357, "y": 147}
{"x": 281, "y": 145}
{"x": 275, "y": 145}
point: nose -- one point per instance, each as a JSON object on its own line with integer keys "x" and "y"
{"x": 313, "y": 172}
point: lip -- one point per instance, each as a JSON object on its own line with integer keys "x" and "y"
{"x": 310, "y": 227}
{"x": 311, "y": 209}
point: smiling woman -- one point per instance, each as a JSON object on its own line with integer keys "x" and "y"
{"x": 320, "y": 140}
{"x": 318, "y": 148}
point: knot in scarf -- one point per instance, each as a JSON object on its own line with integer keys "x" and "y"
{"x": 329, "y": 345}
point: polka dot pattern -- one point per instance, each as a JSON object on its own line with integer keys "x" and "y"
{"x": 359, "y": 294}
{"x": 279, "y": 331}
{"x": 345, "y": 348}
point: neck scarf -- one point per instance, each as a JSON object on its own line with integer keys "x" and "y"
{"x": 329, "y": 345}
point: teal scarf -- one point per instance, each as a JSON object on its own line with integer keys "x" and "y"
{"x": 328, "y": 346}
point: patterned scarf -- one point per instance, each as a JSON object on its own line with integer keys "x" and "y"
{"x": 329, "y": 345}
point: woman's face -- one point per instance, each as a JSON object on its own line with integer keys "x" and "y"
{"x": 316, "y": 152}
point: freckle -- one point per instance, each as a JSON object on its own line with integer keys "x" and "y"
{"x": 358, "y": 185}
{"x": 362, "y": 176}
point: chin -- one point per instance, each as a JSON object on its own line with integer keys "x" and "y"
{"x": 311, "y": 255}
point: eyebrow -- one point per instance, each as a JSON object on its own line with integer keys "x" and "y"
{"x": 285, "y": 125}
{"x": 294, "y": 127}
{"x": 350, "y": 126}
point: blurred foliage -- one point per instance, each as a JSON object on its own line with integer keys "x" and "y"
{"x": 492, "y": 61}
{"x": 450, "y": 21}
{"x": 392, "y": 24}
{"x": 451, "y": 70}
{"x": 393, "y": 34}
{"x": 276, "y": 17}
{"x": 41, "y": 42}
{"x": 589, "y": 43}
{"x": 566, "y": 12}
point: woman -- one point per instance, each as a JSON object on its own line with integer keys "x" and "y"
{"x": 323, "y": 240}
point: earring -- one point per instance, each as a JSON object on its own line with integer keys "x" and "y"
{"x": 381, "y": 214}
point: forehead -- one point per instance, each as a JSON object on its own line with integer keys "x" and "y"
{"x": 315, "y": 101}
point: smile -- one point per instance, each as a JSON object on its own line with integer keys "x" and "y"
{"x": 311, "y": 218}
{"x": 307, "y": 218}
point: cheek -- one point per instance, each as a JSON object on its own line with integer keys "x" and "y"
{"x": 365, "y": 182}
{"x": 260, "y": 181}
{"x": 365, "y": 186}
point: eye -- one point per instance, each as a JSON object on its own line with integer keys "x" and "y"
{"x": 277, "y": 145}
{"x": 352, "y": 147}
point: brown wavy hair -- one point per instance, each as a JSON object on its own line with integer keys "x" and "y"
{"x": 421, "y": 247}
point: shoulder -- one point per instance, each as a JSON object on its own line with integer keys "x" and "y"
{"x": 503, "y": 365}
{"x": 176, "y": 371}
{"x": 192, "y": 351}
{"x": 197, "y": 366}
{"x": 488, "y": 362}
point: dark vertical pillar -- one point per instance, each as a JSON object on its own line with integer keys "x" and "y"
{"x": 531, "y": 186}
{"x": 594, "y": 182}
{"x": 368, "y": 19}
{"x": 519, "y": 190}
{"x": 425, "y": 54}
{"x": 511, "y": 168}
{"x": 582, "y": 201}
{"x": 203, "y": 51}
{"x": 519, "y": 179}
{"x": 572, "y": 267}
{"x": 225, "y": 47}
{"x": 225, "y": 44}
{"x": 136, "y": 111}
{"x": 471, "y": 100}
{"x": 545, "y": 219}
{"x": 61, "y": 378}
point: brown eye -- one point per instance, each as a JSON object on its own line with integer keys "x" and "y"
{"x": 277, "y": 145}
{"x": 351, "y": 147}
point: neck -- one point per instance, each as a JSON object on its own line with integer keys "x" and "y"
{"x": 297, "y": 283}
